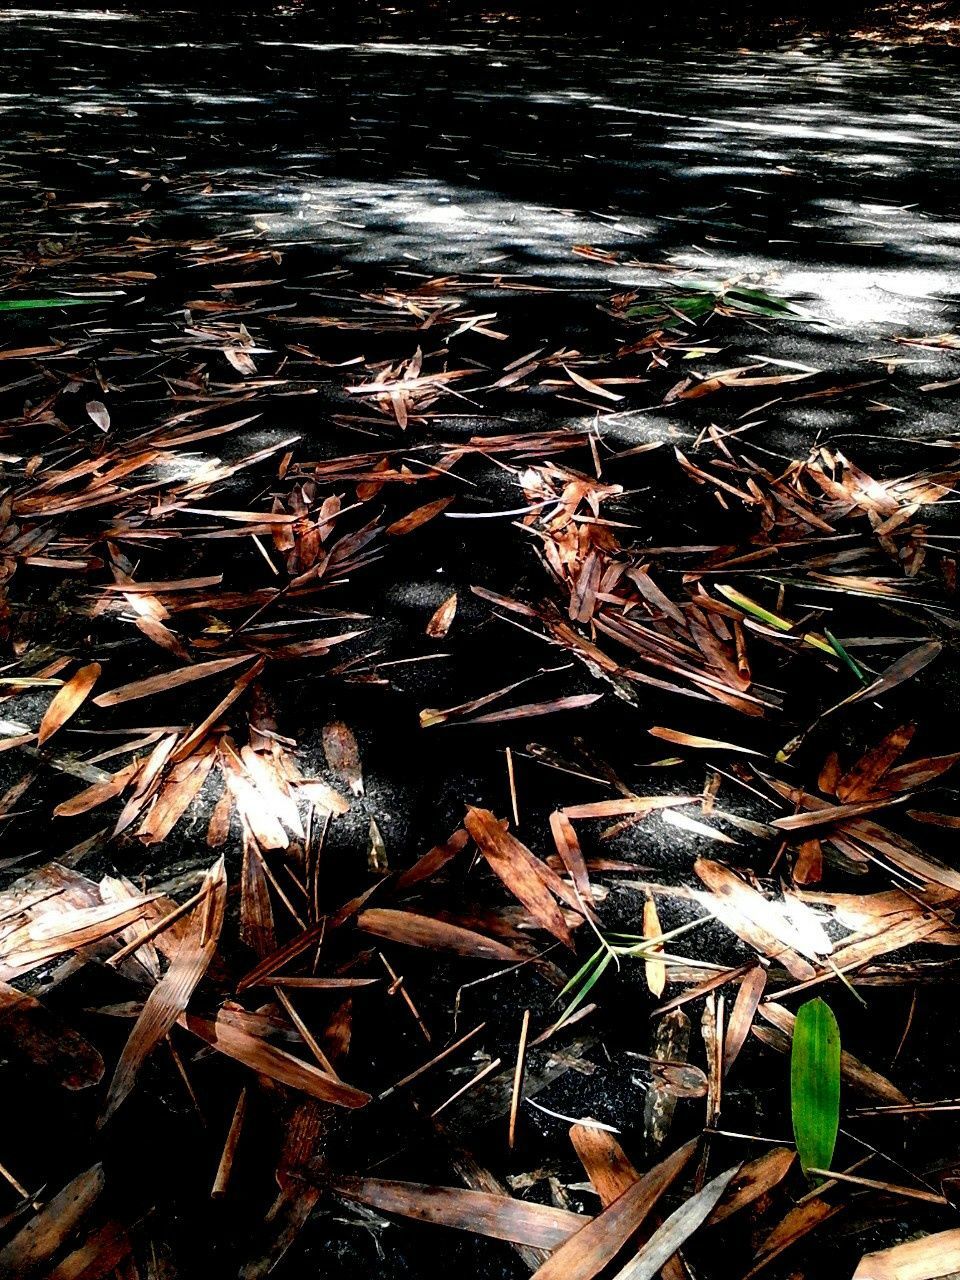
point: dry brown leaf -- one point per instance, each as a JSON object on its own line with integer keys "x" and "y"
{"x": 905, "y": 668}
{"x": 828, "y": 814}
{"x": 99, "y": 793}
{"x": 29, "y": 1030}
{"x": 761, "y": 924}
{"x": 343, "y": 754}
{"x": 414, "y": 519}
{"x": 866, "y": 776}
{"x": 655, "y": 970}
{"x": 43, "y": 1235}
{"x": 168, "y": 680}
{"x": 754, "y": 1180}
{"x": 170, "y": 997}
{"x": 627, "y": 806}
{"x": 422, "y": 931}
{"x": 499, "y": 1217}
{"x": 597, "y": 1243}
{"x": 519, "y": 870}
{"x": 571, "y": 855}
{"x": 925, "y": 1259}
{"x": 256, "y": 909}
{"x": 442, "y": 618}
{"x": 69, "y": 929}
{"x": 100, "y": 1254}
{"x": 241, "y": 1045}
{"x": 68, "y": 701}
{"x": 694, "y": 740}
{"x": 799, "y": 1222}
{"x": 606, "y": 1163}
{"x": 742, "y": 1014}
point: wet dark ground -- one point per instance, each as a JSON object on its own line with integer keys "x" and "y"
{"x": 491, "y": 149}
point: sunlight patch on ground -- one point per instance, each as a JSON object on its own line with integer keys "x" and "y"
{"x": 439, "y": 223}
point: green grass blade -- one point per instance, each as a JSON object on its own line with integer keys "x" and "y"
{"x": 582, "y": 972}
{"x": 845, "y": 657}
{"x": 585, "y": 990}
{"x": 35, "y": 304}
{"x": 815, "y": 1084}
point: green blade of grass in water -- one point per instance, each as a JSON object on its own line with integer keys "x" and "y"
{"x": 815, "y": 1084}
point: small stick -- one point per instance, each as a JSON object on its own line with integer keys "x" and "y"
{"x": 316, "y": 866}
{"x": 263, "y": 551}
{"x": 906, "y": 1029}
{"x": 20, "y": 1189}
{"x": 280, "y": 893}
{"x": 158, "y": 927}
{"x": 225, "y": 1167}
{"x": 929, "y": 1197}
{"x": 513, "y": 788}
{"x": 445, "y": 1053}
{"x": 283, "y": 955}
{"x": 474, "y": 1080}
{"x": 518, "y": 1078}
{"x": 178, "y": 1063}
{"x": 320, "y": 984}
{"x": 407, "y": 998}
{"x": 291, "y": 875}
{"x": 306, "y": 1033}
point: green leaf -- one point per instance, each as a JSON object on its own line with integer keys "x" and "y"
{"x": 772, "y": 619}
{"x": 34, "y": 304}
{"x": 598, "y": 963}
{"x": 692, "y": 305}
{"x": 756, "y": 300}
{"x": 845, "y": 657}
{"x": 815, "y": 1084}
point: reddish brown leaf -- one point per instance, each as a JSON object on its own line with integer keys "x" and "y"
{"x": 519, "y": 870}
{"x": 68, "y": 701}
{"x": 596, "y": 1245}
{"x": 167, "y": 680}
{"x": 29, "y": 1030}
{"x": 414, "y": 519}
{"x": 262, "y": 1057}
{"x": 605, "y": 1161}
{"x": 167, "y": 1001}
{"x": 442, "y": 618}
{"x": 500, "y": 1217}
{"x": 421, "y": 931}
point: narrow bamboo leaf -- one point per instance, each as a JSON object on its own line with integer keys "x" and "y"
{"x": 34, "y": 304}
{"x": 845, "y": 657}
{"x": 815, "y": 1084}
{"x": 598, "y": 971}
{"x": 772, "y": 619}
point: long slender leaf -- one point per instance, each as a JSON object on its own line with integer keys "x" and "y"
{"x": 35, "y": 304}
